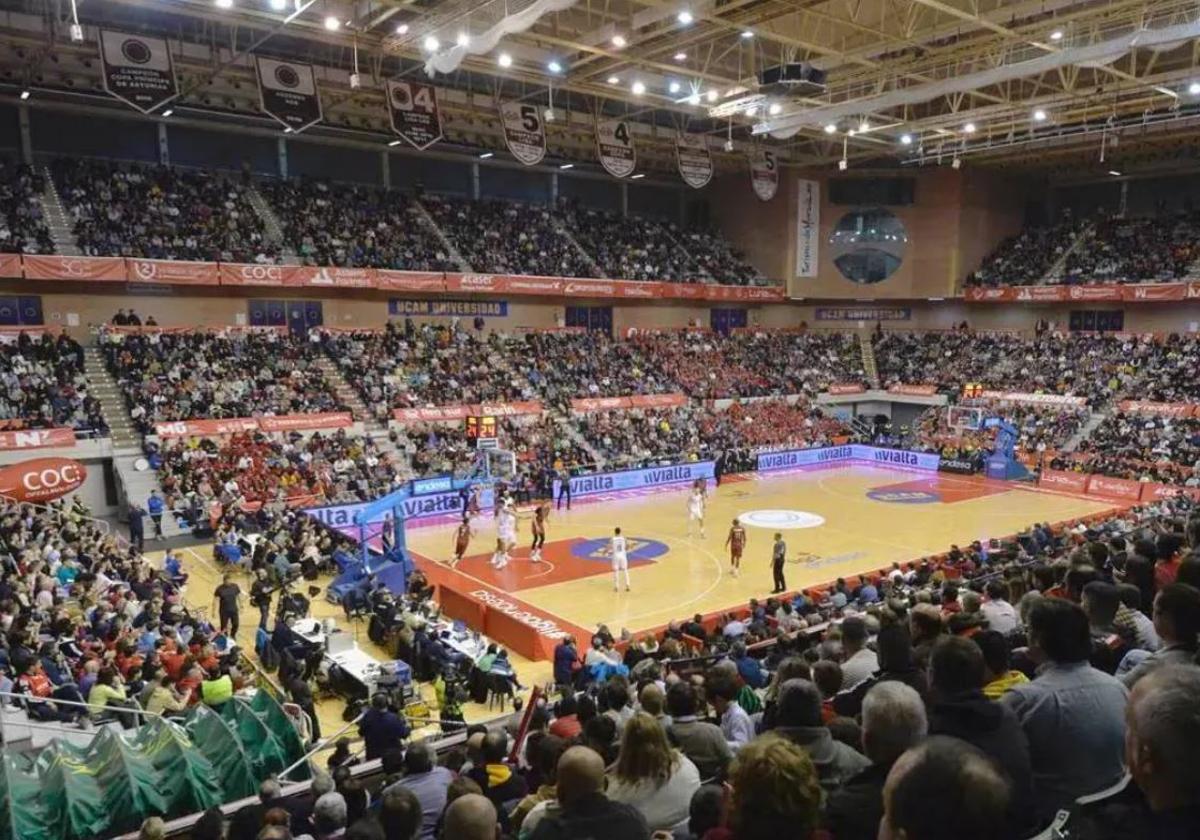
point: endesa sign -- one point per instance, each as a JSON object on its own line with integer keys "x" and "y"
{"x": 42, "y": 479}
{"x": 792, "y": 458}
{"x": 612, "y": 482}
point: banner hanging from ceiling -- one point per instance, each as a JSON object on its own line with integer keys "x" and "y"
{"x": 524, "y": 131}
{"x": 414, "y": 110}
{"x": 764, "y": 173}
{"x": 808, "y": 228}
{"x": 288, "y": 92}
{"x": 137, "y": 70}
{"x": 695, "y": 162}
{"x": 614, "y": 145}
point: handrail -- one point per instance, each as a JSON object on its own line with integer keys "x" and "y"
{"x": 317, "y": 747}
{"x": 105, "y": 528}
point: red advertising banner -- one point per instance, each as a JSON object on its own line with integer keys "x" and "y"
{"x": 913, "y": 390}
{"x": 302, "y": 422}
{"x": 108, "y": 269}
{"x": 332, "y": 277}
{"x": 845, "y": 388}
{"x": 657, "y": 400}
{"x": 586, "y": 404}
{"x": 1034, "y": 399}
{"x": 37, "y": 438}
{"x": 496, "y": 283}
{"x": 1072, "y": 482}
{"x": 41, "y": 479}
{"x": 512, "y": 409}
{"x": 1114, "y": 488}
{"x": 1152, "y": 492}
{"x": 409, "y": 281}
{"x": 1130, "y": 293}
{"x": 173, "y": 272}
{"x": 253, "y": 274}
{"x": 10, "y": 265}
{"x": 442, "y": 413}
{"x": 205, "y": 428}
{"x": 1159, "y": 409}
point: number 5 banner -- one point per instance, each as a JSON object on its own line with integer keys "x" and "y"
{"x": 524, "y": 132}
{"x": 414, "y": 110}
{"x": 764, "y": 173}
{"x": 614, "y": 145}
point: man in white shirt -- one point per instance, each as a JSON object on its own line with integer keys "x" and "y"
{"x": 736, "y": 725}
{"x": 861, "y": 662}
{"x": 620, "y": 560}
{"x": 999, "y": 613}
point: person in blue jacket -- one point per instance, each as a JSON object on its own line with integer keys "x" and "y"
{"x": 155, "y": 506}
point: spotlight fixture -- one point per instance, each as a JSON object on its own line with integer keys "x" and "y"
{"x": 76, "y": 33}
{"x": 638, "y": 88}
{"x": 637, "y": 177}
{"x": 332, "y": 23}
{"x": 969, "y": 128}
{"x": 548, "y": 115}
{"x": 554, "y": 67}
{"x": 614, "y": 80}
{"x": 566, "y": 166}
{"x": 906, "y": 139}
{"x": 747, "y": 34}
{"x": 24, "y": 95}
{"x": 619, "y": 41}
{"x": 168, "y": 112}
{"x": 693, "y": 99}
{"x": 712, "y": 96}
{"x": 684, "y": 17}
{"x": 224, "y": 4}
{"x": 864, "y": 127}
{"x": 1056, "y": 35}
{"x": 486, "y": 155}
{"x": 432, "y": 44}
{"x": 504, "y": 60}
{"x": 673, "y": 87}
{"x": 843, "y": 164}
{"x": 775, "y": 109}
{"x": 956, "y": 164}
{"x": 1039, "y": 115}
{"x": 1114, "y": 173}
{"x": 278, "y": 5}
{"x": 681, "y": 56}
{"x": 751, "y": 111}
{"x": 1194, "y": 88}
{"x": 394, "y": 143}
{"x": 852, "y": 132}
{"x": 402, "y": 29}
{"x": 830, "y": 128}
{"x": 463, "y": 39}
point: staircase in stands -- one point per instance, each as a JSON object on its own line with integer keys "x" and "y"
{"x": 1085, "y": 431}
{"x": 271, "y": 225}
{"x": 57, "y": 219}
{"x": 436, "y": 230}
{"x": 867, "y": 348}
{"x": 1055, "y": 272}
{"x": 134, "y": 484}
{"x": 594, "y": 268}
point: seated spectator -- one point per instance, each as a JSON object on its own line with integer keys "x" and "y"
{"x": 428, "y": 782}
{"x": 652, "y": 776}
{"x": 471, "y": 817}
{"x": 1177, "y": 625}
{"x": 703, "y": 743}
{"x": 798, "y": 719}
{"x": 582, "y": 809}
{"x": 775, "y": 794}
{"x": 498, "y": 781}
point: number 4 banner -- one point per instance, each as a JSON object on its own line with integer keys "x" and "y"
{"x": 764, "y": 173}
{"x": 524, "y": 132}
{"x": 614, "y": 145}
{"x": 414, "y": 110}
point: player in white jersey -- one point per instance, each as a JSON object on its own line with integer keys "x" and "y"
{"x": 696, "y": 510}
{"x": 620, "y": 559}
{"x": 506, "y": 534}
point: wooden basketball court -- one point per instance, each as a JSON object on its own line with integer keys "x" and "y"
{"x": 837, "y": 521}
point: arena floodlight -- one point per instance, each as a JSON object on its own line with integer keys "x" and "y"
{"x": 1039, "y": 115}
{"x": 504, "y": 60}
{"x": 431, "y": 44}
{"x": 685, "y": 17}
{"x": 619, "y": 41}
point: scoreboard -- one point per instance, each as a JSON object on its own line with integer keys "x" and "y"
{"x": 481, "y": 431}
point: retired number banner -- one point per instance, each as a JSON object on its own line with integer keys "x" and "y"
{"x": 614, "y": 145}
{"x": 288, "y": 92}
{"x": 414, "y": 110}
{"x": 137, "y": 70}
{"x": 524, "y": 132}
{"x": 695, "y": 162}
{"x": 764, "y": 173}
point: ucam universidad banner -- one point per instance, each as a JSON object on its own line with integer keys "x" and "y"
{"x": 612, "y": 482}
{"x": 790, "y": 458}
{"x": 448, "y": 308}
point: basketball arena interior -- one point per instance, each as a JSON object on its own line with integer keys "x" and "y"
{"x": 538, "y": 419}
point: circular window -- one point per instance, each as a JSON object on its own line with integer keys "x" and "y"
{"x": 868, "y": 245}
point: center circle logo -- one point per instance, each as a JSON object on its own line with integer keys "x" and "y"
{"x": 783, "y": 520}
{"x": 287, "y": 76}
{"x": 135, "y": 51}
{"x": 639, "y": 548}
{"x": 904, "y": 497}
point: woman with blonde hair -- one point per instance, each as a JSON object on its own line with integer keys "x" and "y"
{"x": 652, "y": 776}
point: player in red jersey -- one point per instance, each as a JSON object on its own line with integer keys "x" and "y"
{"x": 540, "y": 514}
{"x": 736, "y": 542}
{"x": 462, "y": 538}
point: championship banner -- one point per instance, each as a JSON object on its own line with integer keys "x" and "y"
{"x": 108, "y": 269}
{"x": 913, "y": 390}
{"x": 694, "y": 159}
{"x": 37, "y": 438}
{"x": 288, "y": 92}
{"x": 614, "y": 146}
{"x": 173, "y": 272}
{"x": 137, "y": 69}
{"x": 524, "y": 131}
{"x": 413, "y": 107}
{"x": 306, "y": 422}
{"x": 764, "y": 173}
{"x": 808, "y": 228}
{"x": 1176, "y": 410}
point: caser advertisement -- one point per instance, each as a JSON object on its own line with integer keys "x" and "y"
{"x": 41, "y": 479}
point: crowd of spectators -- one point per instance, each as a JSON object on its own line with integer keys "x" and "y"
{"x": 1025, "y": 259}
{"x": 1139, "y": 250}
{"x": 354, "y": 226}
{"x": 23, "y": 227}
{"x": 160, "y": 212}
{"x": 1100, "y": 368}
{"x": 1143, "y": 448}
{"x": 539, "y": 443}
{"x": 169, "y": 376}
{"x": 42, "y": 385}
{"x": 770, "y": 423}
{"x": 506, "y": 237}
{"x": 1041, "y": 428}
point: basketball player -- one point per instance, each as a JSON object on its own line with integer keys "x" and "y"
{"x": 540, "y": 514}
{"x": 620, "y": 559}
{"x": 506, "y": 534}
{"x": 736, "y": 542}
{"x": 462, "y": 538}
{"x": 696, "y": 510}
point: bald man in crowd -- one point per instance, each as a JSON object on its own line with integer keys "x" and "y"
{"x": 582, "y": 809}
{"x": 471, "y": 817}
